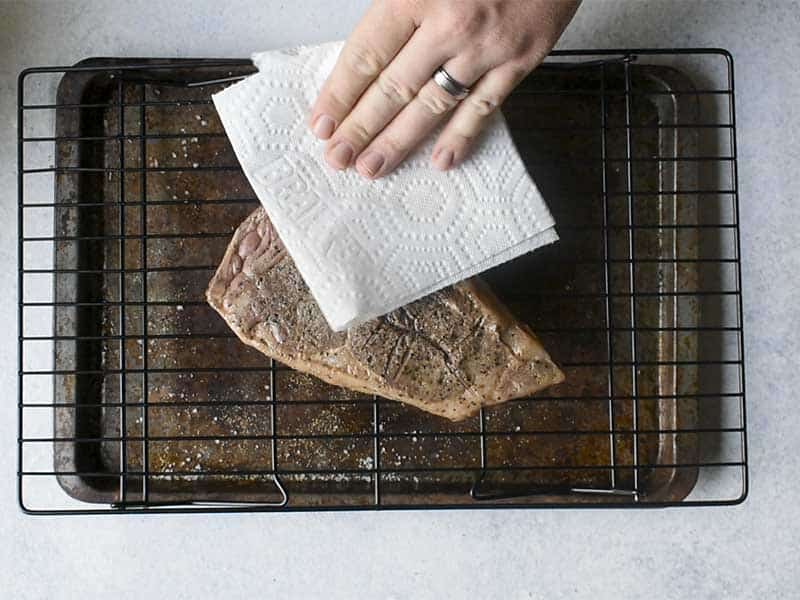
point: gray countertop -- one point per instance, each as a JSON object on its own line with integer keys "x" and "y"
{"x": 739, "y": 552}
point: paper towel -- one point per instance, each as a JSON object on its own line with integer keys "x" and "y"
{"x": 365, "y": 247}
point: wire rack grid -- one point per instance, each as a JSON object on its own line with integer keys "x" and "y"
{"x": 133, "y": 396}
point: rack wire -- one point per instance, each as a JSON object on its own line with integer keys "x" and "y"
{"x": 134, "y": 397}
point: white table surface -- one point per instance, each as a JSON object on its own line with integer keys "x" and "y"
{"x": 741, "y": 552}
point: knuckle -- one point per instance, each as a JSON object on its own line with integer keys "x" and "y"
{"x": 358, "y": 132}
{"x": 467, "y": 22}
{"x": 391, "y": 146}
{"x": 335, "y": 98}
{"x": 394, "y": 90}
{"x": 521, "y": 43}
{"x": 363, "y": 60}
{"x": 509, "y": 44}
{"x": 406, "y": 9}
{"x": 483, "y": 105}
{"x": 436, "y": 102}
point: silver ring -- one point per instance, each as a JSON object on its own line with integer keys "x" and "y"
{"x": 450, "y": 85}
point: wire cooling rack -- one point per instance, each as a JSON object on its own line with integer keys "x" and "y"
{"x": 134, "y": 397}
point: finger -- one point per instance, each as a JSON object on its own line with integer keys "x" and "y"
{"x": 473, "y": 113}
{"x": 372, "y": 45}
{"x": 416, "y": 121}
{"x": 394, "y": 88}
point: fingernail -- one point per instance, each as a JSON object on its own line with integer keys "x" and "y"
{"x": 371, "y": 163}
{"x": 340, "y": 155}
{"x": 323, "y": 127}
{"x": 443, "y": 159}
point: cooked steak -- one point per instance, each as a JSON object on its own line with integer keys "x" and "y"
{"x": 448, "y": 353}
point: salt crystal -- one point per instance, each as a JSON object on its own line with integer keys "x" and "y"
{"x": 198, "y": 117}
{"x": 179, "y": 307}
{"x": 193, "y": 140}
{"x": 174, "y": 155}
{"x": 195, "y": 165}
{"x": 203, "y": 122}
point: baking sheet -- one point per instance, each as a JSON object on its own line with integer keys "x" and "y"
{"x": 226, "y": 425}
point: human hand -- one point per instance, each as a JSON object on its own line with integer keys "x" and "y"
{"x": 380, "y": 100}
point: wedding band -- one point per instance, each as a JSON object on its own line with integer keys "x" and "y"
{"x": 450, "y": 85}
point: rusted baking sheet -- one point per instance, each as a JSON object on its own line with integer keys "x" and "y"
{"x": 218, "y": 422}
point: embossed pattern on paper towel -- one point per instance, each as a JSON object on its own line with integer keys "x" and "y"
{"x": 364, "y": 248}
